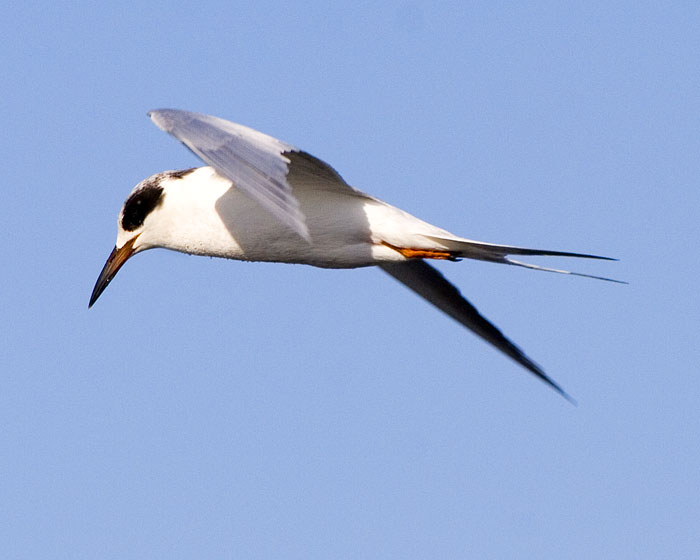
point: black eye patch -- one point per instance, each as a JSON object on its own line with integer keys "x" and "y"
{"x": 139, "y": 205}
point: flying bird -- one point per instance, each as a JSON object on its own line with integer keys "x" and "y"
{"x": 261, "y": 199}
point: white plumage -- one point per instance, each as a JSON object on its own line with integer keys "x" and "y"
{"x": 261, "y": 199}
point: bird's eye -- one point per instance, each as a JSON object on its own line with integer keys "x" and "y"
{"x": 139, "y": 205}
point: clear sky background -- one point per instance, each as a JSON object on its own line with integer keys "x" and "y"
{"x": 217, "y": 409}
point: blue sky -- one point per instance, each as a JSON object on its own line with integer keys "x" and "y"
{"x": 210, "y": 408}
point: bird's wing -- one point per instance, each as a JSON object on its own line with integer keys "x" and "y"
{"x": 430, "y": 284}
{"x": 263, "y": 167}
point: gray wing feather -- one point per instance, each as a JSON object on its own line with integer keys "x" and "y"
{"x": 430, "y": 284}
{"x": 255, "y": 162}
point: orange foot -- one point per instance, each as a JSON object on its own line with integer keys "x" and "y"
{"x": 422, "y": 253}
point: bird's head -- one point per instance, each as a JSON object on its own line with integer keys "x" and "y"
{"x": 141, "y": 225}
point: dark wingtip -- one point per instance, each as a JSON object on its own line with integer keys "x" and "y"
{"x": 563, "y": 393}
{"x": 539, "y": 372}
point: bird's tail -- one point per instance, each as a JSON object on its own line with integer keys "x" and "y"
{"x": 468, "y": 249}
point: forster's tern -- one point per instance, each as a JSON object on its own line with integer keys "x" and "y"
{"x": 262, "y": 199}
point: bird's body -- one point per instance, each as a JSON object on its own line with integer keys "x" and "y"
{"x": 261, "y": 199}
{"x": 201, "y": 214}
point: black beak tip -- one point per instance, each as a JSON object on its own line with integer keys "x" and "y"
{"x": 115, "y": 261}
{"x": 100, "y": 286}
{"x": 93, "y": 299}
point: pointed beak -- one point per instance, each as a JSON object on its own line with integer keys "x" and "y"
{"x": 115, "y": 261}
